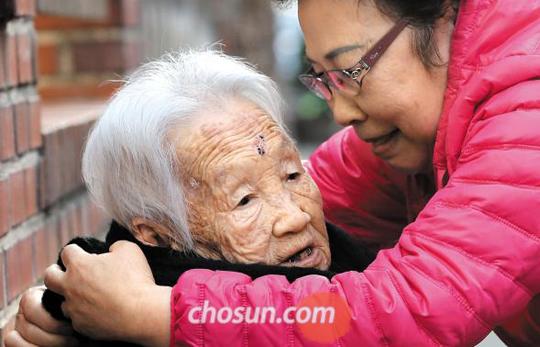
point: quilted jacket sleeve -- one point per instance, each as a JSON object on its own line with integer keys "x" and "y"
{"x": 468, "y": 262}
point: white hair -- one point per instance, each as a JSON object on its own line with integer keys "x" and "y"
{"x": 129, "y": 163}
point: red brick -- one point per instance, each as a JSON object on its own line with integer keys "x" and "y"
{"x": 85, "y": 217}
{"x": 31, "y": 190}
{"x": 62, "y": 162}
{"x": 40, "y": 251}
{"x": 68, "y": 159}
{"x": 132, "y": 55}
{"x": 10, "y": 49}
{"x": 64, "y": 227}
{"x": 22, "y": 126}
{"x": 75, "y": 220}
{"x": 5, "y": 205}
{"x": 45, "y": 243}
{"x": 99, "y": 220}
{"x": 35, "y": 123}
{"x": 105, "y": 56}
{"x": 62, "y": 91}
{"x": 19, "y": 273}
{"x": 52, "y": 226}
{"x": 48, "y": 56}
{"x": 17, "y": 194}
{"x": 2, "y": 281}
{"x": 79, "y": 135}
{"x": 7, "y": 132}
{"x": 64, "y": 23}
{"x": 3, "y": 77}
{"x": 51, "y": 187}
{"x": 25, "y": 54}
{"x": 70, "y": 222}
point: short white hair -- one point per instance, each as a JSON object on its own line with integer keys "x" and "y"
{"x": 129, "y": 163}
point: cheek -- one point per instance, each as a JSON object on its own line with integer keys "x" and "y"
{"x": 419, "y": 125}
{"x": 245, "y": 235}
{"x": 410, "y": 101}
{"x": 307, "y": 194}
{"x": 421, "y": 111}
{"x": 201, "y": 216}
{"x": 308, "y": 197}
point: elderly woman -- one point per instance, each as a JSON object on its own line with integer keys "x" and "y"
{"x": 444, "y": 92}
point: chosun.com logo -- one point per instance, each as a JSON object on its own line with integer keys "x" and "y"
{"x": 321, "y": 317}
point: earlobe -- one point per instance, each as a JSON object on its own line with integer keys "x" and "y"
{"x": 149, "y": 232}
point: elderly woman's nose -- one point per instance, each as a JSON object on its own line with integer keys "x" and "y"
{"x": 345, "y": 110}
{"x": 290, "y": 219}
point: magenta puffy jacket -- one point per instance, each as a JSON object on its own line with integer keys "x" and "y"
{"x": 471, "y": 258}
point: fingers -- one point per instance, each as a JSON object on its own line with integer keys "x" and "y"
{"x": 54, "y": 279}
{"x": 33, "y": 311}
{"x": 31, "y": 334}
{"x": 14, "y": 339}
{"x": 124, "y": 246}
{"x": 71, "y": 253}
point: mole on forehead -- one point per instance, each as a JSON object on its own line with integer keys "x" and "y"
{"x": 260, "y": 144}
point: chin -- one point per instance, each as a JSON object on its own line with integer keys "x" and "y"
{"x": 325, "y": 264}
{"x": 411, "y": 164}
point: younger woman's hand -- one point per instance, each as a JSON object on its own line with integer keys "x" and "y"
{"x": 112, "y": 296}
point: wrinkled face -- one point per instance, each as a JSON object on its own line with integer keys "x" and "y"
{"x": 249, "y": 197}
{"x": 398, "y": 107}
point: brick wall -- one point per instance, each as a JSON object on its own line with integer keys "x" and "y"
{"x": 42, "y": 200}
{"x": 83, "y": 44}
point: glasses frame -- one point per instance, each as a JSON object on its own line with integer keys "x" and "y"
{"x": 359, "y": 70}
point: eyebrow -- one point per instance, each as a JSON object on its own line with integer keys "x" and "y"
{"x": 333, "y": 54}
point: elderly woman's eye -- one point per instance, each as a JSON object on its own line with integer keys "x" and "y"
{"x": 293, "y": 176}
{"x": 245, "y": 200}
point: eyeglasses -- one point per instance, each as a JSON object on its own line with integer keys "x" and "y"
{"x": 349, "y": 81}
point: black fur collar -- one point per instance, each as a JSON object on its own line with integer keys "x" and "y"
{"x": 167, "y": 265}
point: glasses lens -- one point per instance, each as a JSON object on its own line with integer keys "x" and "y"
{"x": 317, "y": 86}
{"x": 342, "y": 82}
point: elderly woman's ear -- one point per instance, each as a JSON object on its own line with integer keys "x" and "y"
{"x": 150, "y": 232}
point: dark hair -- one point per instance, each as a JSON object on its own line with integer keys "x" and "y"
{"x": 422, "y": 15}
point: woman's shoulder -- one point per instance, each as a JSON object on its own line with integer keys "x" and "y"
{"x": 487, "y": 31}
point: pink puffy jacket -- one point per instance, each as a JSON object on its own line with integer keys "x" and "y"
{"x": 471, "y": 258}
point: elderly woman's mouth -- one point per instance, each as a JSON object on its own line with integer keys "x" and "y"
{"x": 306, "y": 257}
{"x": 300, "y": 255}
